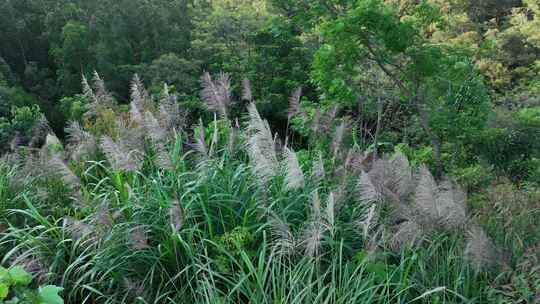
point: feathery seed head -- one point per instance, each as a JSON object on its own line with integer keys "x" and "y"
{"x": 407, "y": 234}
{"x": 316, "y": 122}
{"x": 294, "y": 102}
{"x": 329, "y": 116}
{"x": 76, "y": 228}
{"x": 80, "y": 142}
{"x": 337, "y": 140}
{"x": 247, "y": 93}
{"x": 261, "y": 146}
{"x": 480, "y": 250}
{"x": 294, "y": 178}
{"x": 216, "y": 93}
{"x": 318, "y": 171}
{"x": 368, "y": 221}
{"x": 120, "y": 156}
{"x": 368, "y": 193}
{"x": 283, "y": 239}
{"x": 138, "y": 239}
{"x": 176, "y": 217}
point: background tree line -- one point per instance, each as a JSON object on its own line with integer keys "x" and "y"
{"x": 451, "y": 82}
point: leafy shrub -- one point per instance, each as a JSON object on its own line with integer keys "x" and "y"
{"x": 510, "y": 143}
{"x": 417, "y": 156}
{"x": 472, "y": 178}
{"x": 511, "y": 215}
{"x": 73, "y": 108}
{"x": 11, "y": 97}
{"x": 21, "y": 124}
{"x": 175, "y": 71}
{"x": 14, "y": 288}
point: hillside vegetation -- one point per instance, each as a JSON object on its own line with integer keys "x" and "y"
{"x": 269, "y": 151}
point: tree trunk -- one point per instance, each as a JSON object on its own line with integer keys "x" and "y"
{"x": 424, "y": 117}
{"x": 360, "y": 120}
{"x": 435, "y": 140}
{"x": 378, "y": 127}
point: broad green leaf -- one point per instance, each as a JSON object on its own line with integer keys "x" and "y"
{"x": 4, "y": 290}
{"x": 19, "y": 276}
{"x": 49, "y": 295}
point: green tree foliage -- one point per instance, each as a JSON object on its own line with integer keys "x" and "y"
{"x": 173, "y": 70}
{"x": 508, "y": 145}
{"x": 278, "y": 65}
{"x": 439, "y": 83}
{"x": 66, "y": 38}
{"x": 73, "y": 56}
{"x": 221, "y": 38}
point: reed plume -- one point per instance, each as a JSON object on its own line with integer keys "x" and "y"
{"x": 247, "y": 93}
{"x": 216, "y": 93}
{"x": 294, "y": 103}
{"x": 480, "y": 251}
{"x": 294, "y": 178}
{"x": 80, "y": 142}
{"x": 260, "y": 146}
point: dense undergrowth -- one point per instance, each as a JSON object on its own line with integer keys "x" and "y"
{"x": 143, "y": 206}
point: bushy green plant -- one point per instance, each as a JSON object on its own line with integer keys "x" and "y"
{"x": 474, "y": 177}
{"x": 15, "y": 289}
{"x": 19, "y": 123}
{"x": 11, "y": 97}
{"x": 73, "y": 108}
{"x": 509, "y": 144}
